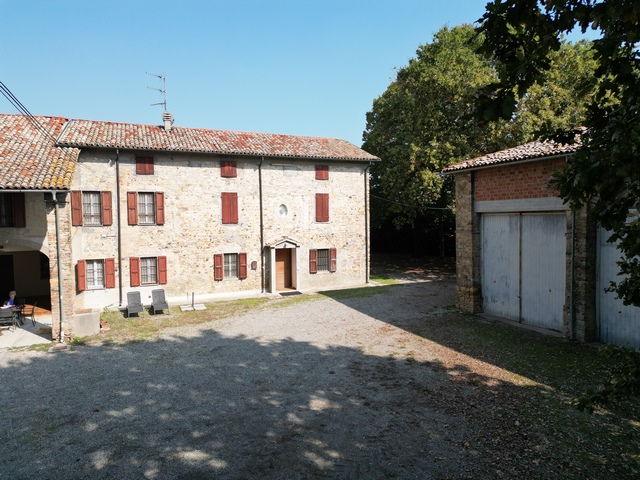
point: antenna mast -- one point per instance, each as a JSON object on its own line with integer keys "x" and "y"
{"x": 162, "y": 90}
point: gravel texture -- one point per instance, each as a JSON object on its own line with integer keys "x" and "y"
{"x": 327, "y": 388}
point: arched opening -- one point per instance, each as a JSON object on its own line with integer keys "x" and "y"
{"x": 27, "y": 272}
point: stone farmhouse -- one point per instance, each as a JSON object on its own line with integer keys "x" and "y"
{"x": 92, "y": 210}
{"x": 522, "y": 254}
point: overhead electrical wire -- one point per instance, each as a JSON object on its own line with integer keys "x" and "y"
{"x": 22, "y": 109}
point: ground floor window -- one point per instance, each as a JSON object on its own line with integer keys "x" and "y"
{"x": 230, "y": 265}
{"x": 95, "y": 274}
{"x": 149, "y": 270}
{"x": 322, "y": 260}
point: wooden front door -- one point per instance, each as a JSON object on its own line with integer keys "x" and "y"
{"x": 283, "y": 269}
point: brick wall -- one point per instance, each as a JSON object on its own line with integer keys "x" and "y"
{"x": 522, "y": 180}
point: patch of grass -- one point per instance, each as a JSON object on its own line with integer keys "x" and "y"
{"x": 36, "y": 347}
{"x": 78, "y": 341}
{"x": 362, "y": 292}
{"x": 383, "y": 279}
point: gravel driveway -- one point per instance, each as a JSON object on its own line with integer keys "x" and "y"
{"x": 327, "y": 388}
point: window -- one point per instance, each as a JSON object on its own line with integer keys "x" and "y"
{"x": 230, "y": 266}
{"x": 12, "y": 213}
{"x": 229, "y": 207}
{"x": 144, "y": 165}
{"x": 228, "y": 169}
{"x": 96, "y": 274}
{"x": 322, "y": 207}
{"x": 322, "y": 260}
{"x": 322, "y": 172}
{"x": 91, "y": 208}
{"x": 147, "y": 271}
{"x": 145, "y": 208}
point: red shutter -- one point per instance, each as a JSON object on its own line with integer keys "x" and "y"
{"x": 322, "y": 207}
{"x": 322, "y": 172}
{"x": 313, "y": 261}
{"x": 218, "y": 263}
{"x": 134, "y": 271}
{"x": 19, "y": 218}
{"x": 159, "y": 208}
{"x": 242, "y": 271}
{"x": 110, "y": 273}
{"x": 132, "y": 208}
{"x": 144, "y": 165}
{"x": 162, "y": 270}
{"x": 333, "y": 254}
{"x": 76, "y": 208}
{"x": 82, "y": 276}
{"x": 229, "y": 207}
{"x": 228, "y": 169}
{"x": 107, "y": 216}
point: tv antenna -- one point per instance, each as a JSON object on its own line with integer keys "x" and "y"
{"x": 162, "y": 90}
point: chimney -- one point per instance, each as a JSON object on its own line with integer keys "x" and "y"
{"x": 167, "y": 118}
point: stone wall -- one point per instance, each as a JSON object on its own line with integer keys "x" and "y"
{"x": 469, "y": 292}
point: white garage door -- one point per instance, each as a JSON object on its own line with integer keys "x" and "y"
{"x": 617, "y": 323}
{"x": 524, "y": 267}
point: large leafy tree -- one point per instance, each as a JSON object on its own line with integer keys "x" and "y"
{"x": 605, "y": 174}
{"x": 420, "y": 125}
{"x": 423, "y": 123}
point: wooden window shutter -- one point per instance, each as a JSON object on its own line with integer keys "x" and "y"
{"x": 313, "y": 261}
{"x": 218, "y": 264}
{"x": 132, "y": 208}
{"x": 229, "y": 207}
{"x": 107, "y": 215}
{"x": 242, "y": 266}
{"x": 19, "y": 217}
{"x": 76, "y": 208}
{"x": 159, "y": 208}
{"x": 162, "y": 270}
{"x": 134, "y": 271}
{"x": 322, "y": 207}
{"x": 228, "y": 169}
{"x": 109, "y": 273}
{"x": 333, "y": 254}
{"x": 82, "y": 276}
{"x": 144, "y": 165}
{"x": 322, "y": 172}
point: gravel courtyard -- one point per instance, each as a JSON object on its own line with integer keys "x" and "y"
{"x": 327, "y": 388}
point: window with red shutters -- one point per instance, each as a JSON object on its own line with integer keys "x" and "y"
{"x": 322, "y": 172}
{"x": 109, "y": 273}
{"x": 159, "y": 208}
{"x": 218, "y": 265}
{"x": 162, "y": 270}
{"x": 76, "y": 208}
{"x": 91, "y": 208}
{"x": 132, "y": 208}
{"x": 228, "y": 169}
{"x": 144, "y": 166}
{"x": 229, "y": 207}
{"x": 322, "y": 207}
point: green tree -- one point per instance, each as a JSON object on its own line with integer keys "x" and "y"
{"x": 605, "y": 174}
{"x": 420, "y": 125}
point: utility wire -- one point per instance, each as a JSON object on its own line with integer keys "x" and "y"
{"x": 22, "y": 109}
{"x": 406, "y": 204}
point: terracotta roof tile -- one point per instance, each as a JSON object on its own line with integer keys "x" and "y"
{"x": 528, "y": 151}
{"x": 29, "y": 159}
{"x": 95, "y": 134}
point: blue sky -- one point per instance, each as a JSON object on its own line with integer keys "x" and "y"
{"x": 301, "y": 67}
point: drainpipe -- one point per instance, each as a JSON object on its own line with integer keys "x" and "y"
{"x": 54, "y": 196}
{"x": 118, "y": 226}
{"x": 366, "y": 225}
{"x": 261, "y": 225}
{"x": 572, "y": 316}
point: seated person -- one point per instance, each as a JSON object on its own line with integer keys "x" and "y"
{"x": 12, "y": 299}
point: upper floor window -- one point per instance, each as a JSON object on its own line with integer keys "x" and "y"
{"x": 144, "y": 165}
{"x": 229, "y": 207}
{"x": 145, "y": 208}
{"x": 322, "y": 172}
{"x": 12, "y": 212}
{"x": 91, "y": 208}
{"x": 322, "y": 207}
{"x": 228, "y": 169}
